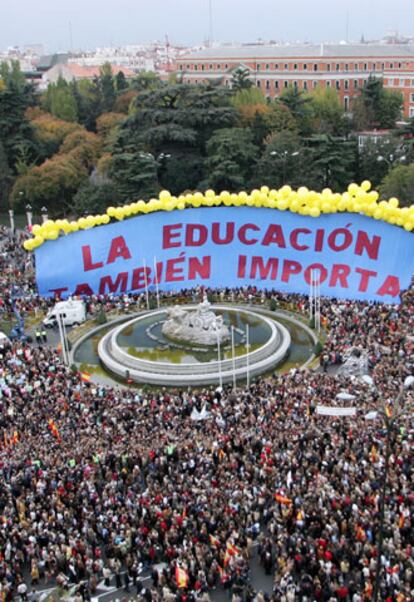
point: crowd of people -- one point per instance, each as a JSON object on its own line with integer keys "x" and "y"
{"x": 105, "y": 485}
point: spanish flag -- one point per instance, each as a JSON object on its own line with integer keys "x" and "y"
{"x": 181, "y": 577}
{"x": 54, "y": 429}
{"x": 283, "y": 500}
{"x": 388, "y": 411}
{"x": 85, "y": 377}
{"x": 214, "y": 541}
{"x": 15, "y": 438}
{"x": 231, "y": 549}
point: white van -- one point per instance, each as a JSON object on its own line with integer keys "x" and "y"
{"x": 72, "y": 311}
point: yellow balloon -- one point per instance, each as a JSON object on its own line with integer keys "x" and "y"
{"x": 36, "y": 229}
{"x": 106, "y": 219}
{"x": 314, "y": 212}
{"x": 264, "y": 190}
{"x": 111, "y": 211}
{"x": 180, "y": 205}
{"x": 353, "y": 188}
{"x": 242, "y": 197}
{"x": 210, "y": 194}
{"x": 366, "y": 185}
{"x": 393, "y": 202}
{"x": 28, "y": 245}
{"x": 164, "y": 195}
{"x": 74, "y": 226}
{"x": 409, "y": 226}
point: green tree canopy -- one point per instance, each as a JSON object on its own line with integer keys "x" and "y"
{"x": 231, "y": 159}
{"x": 328, "y": 115}
{"x": 399, "y": 183}
{"x": 241, "y": 79}
{"x": 376, "y": 107}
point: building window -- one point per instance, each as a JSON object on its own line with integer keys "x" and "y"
{"x": 195, "y": 67}
{"x": 356, "y": 67}
{"x": 328, "y": 67}
{"x": 346, "y": 66}
{"x": 337, "y": 67}
{"x": 305, "y": 67}
{"x": 202, "y": 67}
{"x": 258, "y": 84}
{"x": 267, "y": 67}
{"x": 391, "y": 65}
{"x": 346, "y": 84}
{"x": 328, "y": 84}
{"x": 218, "y": 67}
{"x": 305, "y": 85}
{"x": 267, "y": 84}
{"x": 314, "y": 84}
{"x": 285, "y": 84}
{"x": 391, "y": 82}
{"x": 411, "y": 112}
{"x": 258, "y": 67}
{"x": 315, "y": 67}
{"x": 355, "y": 84}
{"x": 346, "y": 103}
{"x": 276, "y": 66}
{"x": 412, "y": 82}
{"x": 365, "y": 66}
{"x": 338, "y": 85}
{"x": 295, "y": 67}
{"x": 295, "y": 85}
{"x": 286, "y": 66}
{"x": 181, "y": 67}
{"x": 399, "y": 65}
{"x": 211, "y": 67}
{"x": 226, "y": 67}
{"x": 276, "y": 85}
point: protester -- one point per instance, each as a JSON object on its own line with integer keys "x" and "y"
{"x": 100, "y": 483}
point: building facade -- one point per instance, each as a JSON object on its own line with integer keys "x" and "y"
{"x": 343, "y": 67}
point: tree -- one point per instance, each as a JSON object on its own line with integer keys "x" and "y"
{"x": 106, "y": 126}
{"x": 94, "y": 198}
{"x": 124, "y": 101}
{"x": 49, "y": 132}
{"x": 6, "y": 178}
{"x": 333, "y": 161}
{"x": 121, "y": 82}
{"x": 107, "y": 86}
{"x": 299, "y": 106}
{"x": 376, "y": 158}
{"x": 173, "y": 124}
{"x": 247, "y": 97}
{"x": 60, "y": 101}
{"x": 376, "y": 107}
{"x": 240, "y": 79}
{"x": 146, "y": 80}
{"x": 12, "y": 75}
{"x": 135, "y": 174}
{"x": 89, "y": 101}
{"x": 231, "y": 159}
{"x": 399, "y": 183}
{"x": 328, "y": 115}
{"x": 283, "y": 161}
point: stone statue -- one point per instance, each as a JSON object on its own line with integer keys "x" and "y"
{"x": 200, "y": 326}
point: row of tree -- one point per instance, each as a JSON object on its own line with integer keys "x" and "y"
{"x": 85, "y": 145}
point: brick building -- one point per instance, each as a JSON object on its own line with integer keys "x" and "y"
{"x": 344, "y": 67}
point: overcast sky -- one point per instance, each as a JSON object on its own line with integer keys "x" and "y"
{"x": 115, "y": 22}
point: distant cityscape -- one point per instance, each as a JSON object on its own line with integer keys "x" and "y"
{"x": 271, "y": 65}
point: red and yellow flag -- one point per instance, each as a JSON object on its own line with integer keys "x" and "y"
{"x": 85, "y": 377}
{"x": 181, "y": 577}
{"x": 214, "y": 541}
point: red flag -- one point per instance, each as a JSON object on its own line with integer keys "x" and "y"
{"x": 85, "y": 377}
{"x": 181, "y": 577}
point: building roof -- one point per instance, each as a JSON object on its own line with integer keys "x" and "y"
{"x": 50, "y": 60}
{"x": 83, "y": 72}
{"x": 302, "y": 50}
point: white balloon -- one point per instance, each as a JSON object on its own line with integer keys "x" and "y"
{"x": 345, "y": 396}
{"x": 409, "y": 381}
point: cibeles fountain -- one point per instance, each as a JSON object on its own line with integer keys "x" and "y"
{"x": 196, "y": 344}
{"x": 200, "y": 326}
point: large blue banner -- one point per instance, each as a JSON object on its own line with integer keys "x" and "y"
{"x": 352, "y": 256}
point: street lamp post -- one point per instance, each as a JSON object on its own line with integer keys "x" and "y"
{"x": 29, "y": 215}
{"x": 11, "y": 216}
{"x": 284, "y": 155}
{"x": 44, "y": 214}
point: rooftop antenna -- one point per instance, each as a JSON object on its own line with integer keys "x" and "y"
{"x": 70, "y": 37}
{"x": 210, "y": 22}
{"x": 347, "y": 26}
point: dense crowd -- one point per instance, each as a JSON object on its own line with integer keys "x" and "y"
{"x": 101, "y": 484}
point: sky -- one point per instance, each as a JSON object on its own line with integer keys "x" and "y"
{"x": 97, "y": 23}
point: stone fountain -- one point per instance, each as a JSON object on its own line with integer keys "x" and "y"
{"x": 200, "y": 326}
